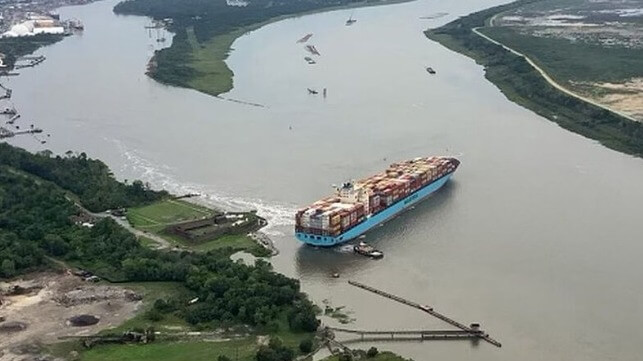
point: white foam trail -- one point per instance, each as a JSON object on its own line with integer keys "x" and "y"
{"x": 159, "y": 175}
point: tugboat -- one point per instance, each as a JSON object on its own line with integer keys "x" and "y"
{"x": 368, "y": 251}
{"x": 430, "y": 70}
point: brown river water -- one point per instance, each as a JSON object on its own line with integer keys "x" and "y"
{"x": 538, "y": 236}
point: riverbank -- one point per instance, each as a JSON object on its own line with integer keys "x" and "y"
{"x": 522, "y": 83}
{"x": 199, "y": 64}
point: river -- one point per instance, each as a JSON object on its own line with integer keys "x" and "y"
{"x": 538, "y": 236}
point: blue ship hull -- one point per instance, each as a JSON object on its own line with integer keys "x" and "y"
{"x": 374, "y": 220}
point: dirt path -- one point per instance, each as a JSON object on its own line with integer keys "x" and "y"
{"x": 160, "y": 241}
{"x": 548, "y": 78}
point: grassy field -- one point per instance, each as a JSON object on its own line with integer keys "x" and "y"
{"x": 234, "y": 241}
{"x": 569, "y": 61}
{"x": 208, "y": 60}
{"x": 243, "y": 349}
{"x": 156, "y": 216}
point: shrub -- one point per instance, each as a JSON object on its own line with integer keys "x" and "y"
{"x": 372, "y": 352}
{"x": 306, "y": 345}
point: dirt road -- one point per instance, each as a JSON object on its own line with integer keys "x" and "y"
{"x": 549, "y": 79}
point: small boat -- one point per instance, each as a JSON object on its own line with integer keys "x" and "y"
{"x": 312, "y": 49}
{"x": 430, "y": 70}
{"x": 350, "y": 20}
{"x": 368, "y": 251}
{"x": 305, "y": 38}
{"x": 310, "y": 60}
{"x": 312, "y": 91}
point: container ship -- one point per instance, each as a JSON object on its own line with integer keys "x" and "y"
{"x": 358, "y": 206}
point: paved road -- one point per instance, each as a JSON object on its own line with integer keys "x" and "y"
{"x": 548, "y": 78}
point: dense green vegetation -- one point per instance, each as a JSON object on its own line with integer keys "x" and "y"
{"x": 89, "y": 179}
{"x": 14, "y": 48}
{"x": 34, "y": 222}
{"x": 524, "y": 85}
{"x": 371, "y": 354}
{"x": 205, "y": 29}
{"x": 35, "y": 212}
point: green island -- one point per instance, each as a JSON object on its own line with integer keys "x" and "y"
{"x": 175, "y": 303}
{"x": 604, "y": 72}
{"x": 205, "y": 30}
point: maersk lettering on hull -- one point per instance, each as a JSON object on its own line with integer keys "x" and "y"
{"x": 374, "y": 220}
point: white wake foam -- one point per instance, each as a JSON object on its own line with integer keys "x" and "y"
{"x": 161, "y": 176}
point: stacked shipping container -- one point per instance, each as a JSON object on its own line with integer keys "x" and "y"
{"x": 335, "y": 215}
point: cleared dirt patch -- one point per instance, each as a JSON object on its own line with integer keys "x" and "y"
{"x": 50, "y": 301}
{"x": 626, "y": 97}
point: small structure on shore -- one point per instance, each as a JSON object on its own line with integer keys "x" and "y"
{"x": 217, "y": 225}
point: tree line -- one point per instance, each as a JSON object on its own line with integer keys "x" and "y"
{"x": 89, "y": 179}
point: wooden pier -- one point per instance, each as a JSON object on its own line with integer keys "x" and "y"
{"x": 6, "y": 133}
{"x": 473, "y": 329}
{"x": 404, "y": 335}
{"x": 31, "y": 61}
